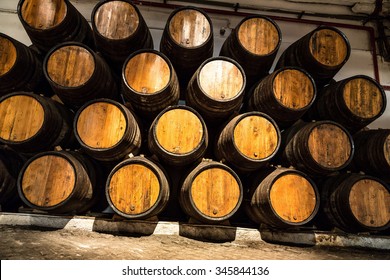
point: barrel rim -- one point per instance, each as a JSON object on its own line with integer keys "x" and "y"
{"x": 153, "y": 167}
{"x": 163, "y": 56}
{"x": 63, "y": 154}
{"x": 13, "y": 41}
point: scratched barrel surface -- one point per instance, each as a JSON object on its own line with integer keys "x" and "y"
{"x": 137, "y": 188}
{"x": 149, "y": 83}
{"x": 49, "y": 23}
{"x": 211, "y": 193}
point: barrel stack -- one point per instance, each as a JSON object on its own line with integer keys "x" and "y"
{"x": 176, "y": 133}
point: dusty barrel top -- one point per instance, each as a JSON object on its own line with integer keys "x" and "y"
{"x": 8, "y": 55}
{"x": 43, "y": 14}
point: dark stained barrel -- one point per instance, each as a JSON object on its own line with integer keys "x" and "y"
{"x": 49, "y": 23}
{"x": 254, "y": 44}
{"x": 31, "y": 123}
{"x": 119, "y": 30}
{"x": 211, "y": 193}
{"x": 137, "y": 188}
{"x": 285, "y": 95}
{"x": 322, "y": 53}
{"x": 281, "y": 198}
{"x": 149, "y": 83}
{"x": 107, "y": 130}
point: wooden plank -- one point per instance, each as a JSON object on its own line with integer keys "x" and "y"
{"x": 43, "y": 14}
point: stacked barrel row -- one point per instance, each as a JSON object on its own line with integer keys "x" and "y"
{"x": 286, "y": 148}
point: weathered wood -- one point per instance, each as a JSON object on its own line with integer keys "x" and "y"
{"x": 8, "y": 55}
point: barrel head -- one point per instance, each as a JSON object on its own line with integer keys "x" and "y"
{"x": 8, "y": 55}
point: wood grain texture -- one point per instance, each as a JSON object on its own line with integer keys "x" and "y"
{"x": 328, "y": 47}
{"x": 221, "y": 80}
{"x": 329, "y": 145}
{"x": 179, "y": 131}
{"x": 386, "y": 149}
{"x": 116, "y": 20}
{"x": 101, "y": 125}
{"x": 293, "y": 89}
{"x": 134, "y": 189}
{"x": 363, "y": 98}
{"x": 8, "y": 55}
{"x": 258, "y": 36}
{"x": 21, "y": 117}
{"x": 43, "y": 14}
{"x": 70, "y": 66}
{"x": 189, "y": 28}
{"x": 215, "y": 192}
{"x": 147, "y": 73}
{"x": 370, "y": 203}
{"x": 48, "y": 181}
{"x": 256, "y": 137}
{"x": 293, "y": 198}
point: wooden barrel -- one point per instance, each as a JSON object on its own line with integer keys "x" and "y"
{"x": 356, "y": 203}
{"x": 322, "y": 53}
{"x": 211, "y": 193}
{"x": 187, "y": 41}
{"x": 354, "y": 102}
{"x": 57, "y": 182}
{"x": 32, "y": 123}
{"x": 107, "y": 130}
{"x": 119, "y": 30}
{"x": 282, "y": 197}
{"x": 178, "y": 136}
{"x": 249, "y": 141}
{"x": 254, "y": 44}
{"x": 49, "y": 23}
{"x": 137, "y": 188}
{"x": 217, "y": 88}
{"x": 285, "y": 95}
{"x": 149, "y": 83}
{"x": 317, "y": 148}
{"x": 77, "y": 74}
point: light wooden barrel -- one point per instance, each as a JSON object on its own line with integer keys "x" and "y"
{"x": 178, "y": 136}
{"x": 187, "y": 41}
{"x": 285, "y": 95}
{"x": 217, "y": 88}
{"x": 354, "y": 102}
{"x": 249, "y": 141}
{"x": 107, "y": 130}
{"x": 77, "y": 74}
{"x": 32, "y": 123}
{"x": 317, "y": 148}
{"x": 356, "y": 203}
{"x": 322, "y": 52}
{"x": 211, "y": 193}
{"x": 137, "y": 188}
{"x": 254, "y": 44}
{"x": 49, "y": 23}
{"x": 282, "y": 198}
{"x": 119, "y": 30}
{"x": 149, "y": 83}
{"x": 57, "y": 182}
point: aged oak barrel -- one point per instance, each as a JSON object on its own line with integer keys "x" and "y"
{"x": 187, "y": 41}
{"x": 77, "y": 74}
{"x": 211, "y": 193}
{"x": 149, "y": 83}
{"x": 49, "y": 23}
{"x": 107, "y": 130}
{"x": 58, "y": 182}
{"x": 285, "y": 95}
{"x": 356, "y": 202}
{"x": 119, "y": 30}
{"x": 322, "y": 52}
{"x": 178, "y": 136}
{"x": 254, "y": 44}
{"x": 216, "y": 89}
{"x": 354, "y": 102}
{"x": 249, "y": 141}
{"x": 281, "y": 197}
{"x": 31, "y": 123}
{"x": 137, "y": 188}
